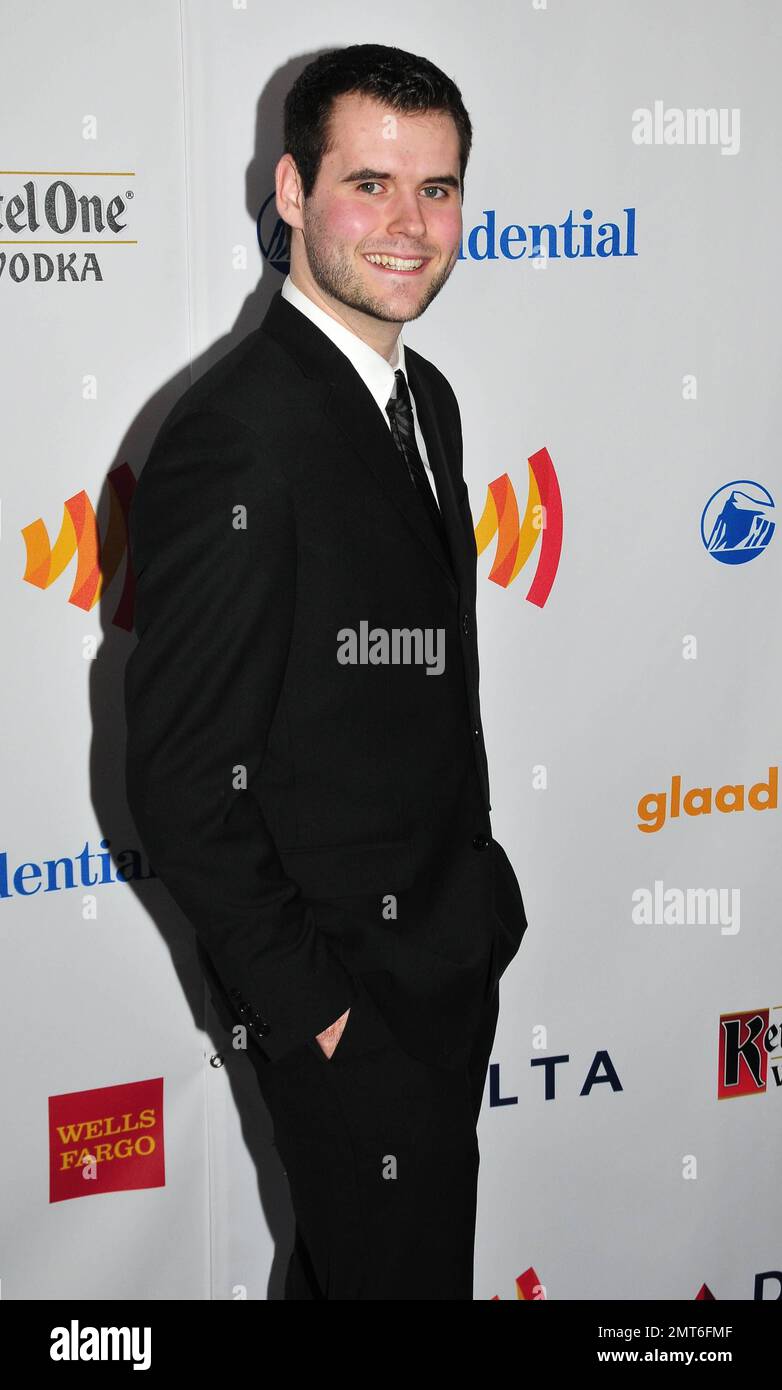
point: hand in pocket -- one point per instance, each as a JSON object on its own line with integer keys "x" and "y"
{"x": 328, "y": 1040}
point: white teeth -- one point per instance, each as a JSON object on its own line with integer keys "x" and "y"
{"x": 395, "y": 262}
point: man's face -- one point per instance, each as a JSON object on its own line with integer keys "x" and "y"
{"x": 389, "y": 186}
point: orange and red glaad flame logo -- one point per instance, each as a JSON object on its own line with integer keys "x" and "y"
{"x": 97, "y": 561}
{"x": 106, "y": 1140}
{"x": 515, "y": 540}
{"x": 528, "y": 1288}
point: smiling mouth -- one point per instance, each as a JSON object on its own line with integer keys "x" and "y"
{"x": 397, "y": 265}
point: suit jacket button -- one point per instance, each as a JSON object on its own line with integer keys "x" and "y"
{"x": 480, "y": 842}
{"x": 476, "y": 731}
{"x": 465, "y": 624}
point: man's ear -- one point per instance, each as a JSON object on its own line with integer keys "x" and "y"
{"x": 289, "y": 194}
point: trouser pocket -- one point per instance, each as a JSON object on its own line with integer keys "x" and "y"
{"x": 365, "y": 1029}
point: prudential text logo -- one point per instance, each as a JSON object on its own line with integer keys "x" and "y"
{"x": 569, "y": 237}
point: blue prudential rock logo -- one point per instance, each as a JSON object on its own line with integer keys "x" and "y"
{"x": 738, "y": 522}
{"x": 271, "y": 232}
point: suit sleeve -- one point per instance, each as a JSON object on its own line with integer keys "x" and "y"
{"x": 213, "y": 545}
{"x": 508, "y": 900}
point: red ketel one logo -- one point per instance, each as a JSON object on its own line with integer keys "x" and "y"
{"x": 748, "y": 1043}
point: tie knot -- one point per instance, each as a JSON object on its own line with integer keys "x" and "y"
{"x": 402, "y": 395}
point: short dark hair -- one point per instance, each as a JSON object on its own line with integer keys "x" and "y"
{"x": 400, "y": 80}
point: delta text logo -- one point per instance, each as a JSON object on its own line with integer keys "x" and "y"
{"x": 51, "y": 210}
{"x": 747, "y": 1040}
{"x": 106, "y": 1140}
{"x": 485, "y": 241}
{"x": 97, "y": 561}
{"x": 599, "y": 1072}
{"x": 738, "y": 522}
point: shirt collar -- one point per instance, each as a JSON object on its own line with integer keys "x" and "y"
{"x": 375, "y": 371}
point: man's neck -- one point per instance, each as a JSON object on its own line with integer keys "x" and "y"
{"x": 377, "y": 333}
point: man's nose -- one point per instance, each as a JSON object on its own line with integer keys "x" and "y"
{"x": 406, "y": 215}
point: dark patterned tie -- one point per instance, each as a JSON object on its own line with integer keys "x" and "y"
{"x": 400, "y": 413}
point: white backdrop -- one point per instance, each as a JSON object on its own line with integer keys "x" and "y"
{"x": 652, "y": 380}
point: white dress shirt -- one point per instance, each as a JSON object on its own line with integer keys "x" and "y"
{"x": 376, "y": 372}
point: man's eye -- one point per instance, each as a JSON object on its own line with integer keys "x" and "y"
{"x": 432, "y": 188}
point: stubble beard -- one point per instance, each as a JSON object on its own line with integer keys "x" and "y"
{"x": 336, "y": 275}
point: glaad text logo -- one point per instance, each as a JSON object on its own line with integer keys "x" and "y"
{"x": 60, "y": 213}
{"x": 396, "y": 646}
{"x": 75, "y": 1343}
{"x": 671, "y": 125}
{"x": 541, "y": 242}
{"x": 517, "y": 539}
{"x": 97, "y": 561}
{"x": 655, "y": 807}
{"x": 687, "y": 907}
{"x": 746, "y": 1041}
{"x": 738, "y": 522}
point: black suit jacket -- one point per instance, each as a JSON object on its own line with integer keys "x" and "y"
{"x": 324, "y": 827}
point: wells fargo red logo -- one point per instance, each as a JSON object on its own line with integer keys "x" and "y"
{"x": 97, "y": 561}
{"x": 516, "y": 539}
{"x": 107, "y": 1140}
{"x": 749, "y": 1041}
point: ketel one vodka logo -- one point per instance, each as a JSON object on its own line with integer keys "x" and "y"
{"x": 58, "y": 222}
{"x": 750, "y": 1044}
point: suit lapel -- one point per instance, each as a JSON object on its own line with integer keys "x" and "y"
{"x": 431, "y": 412}
{"x": 352, "y": 411}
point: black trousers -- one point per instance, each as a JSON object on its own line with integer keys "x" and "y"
{"x": 381, "y": 1154}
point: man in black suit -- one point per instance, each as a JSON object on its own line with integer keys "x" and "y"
{"x": 305, "y": 762}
